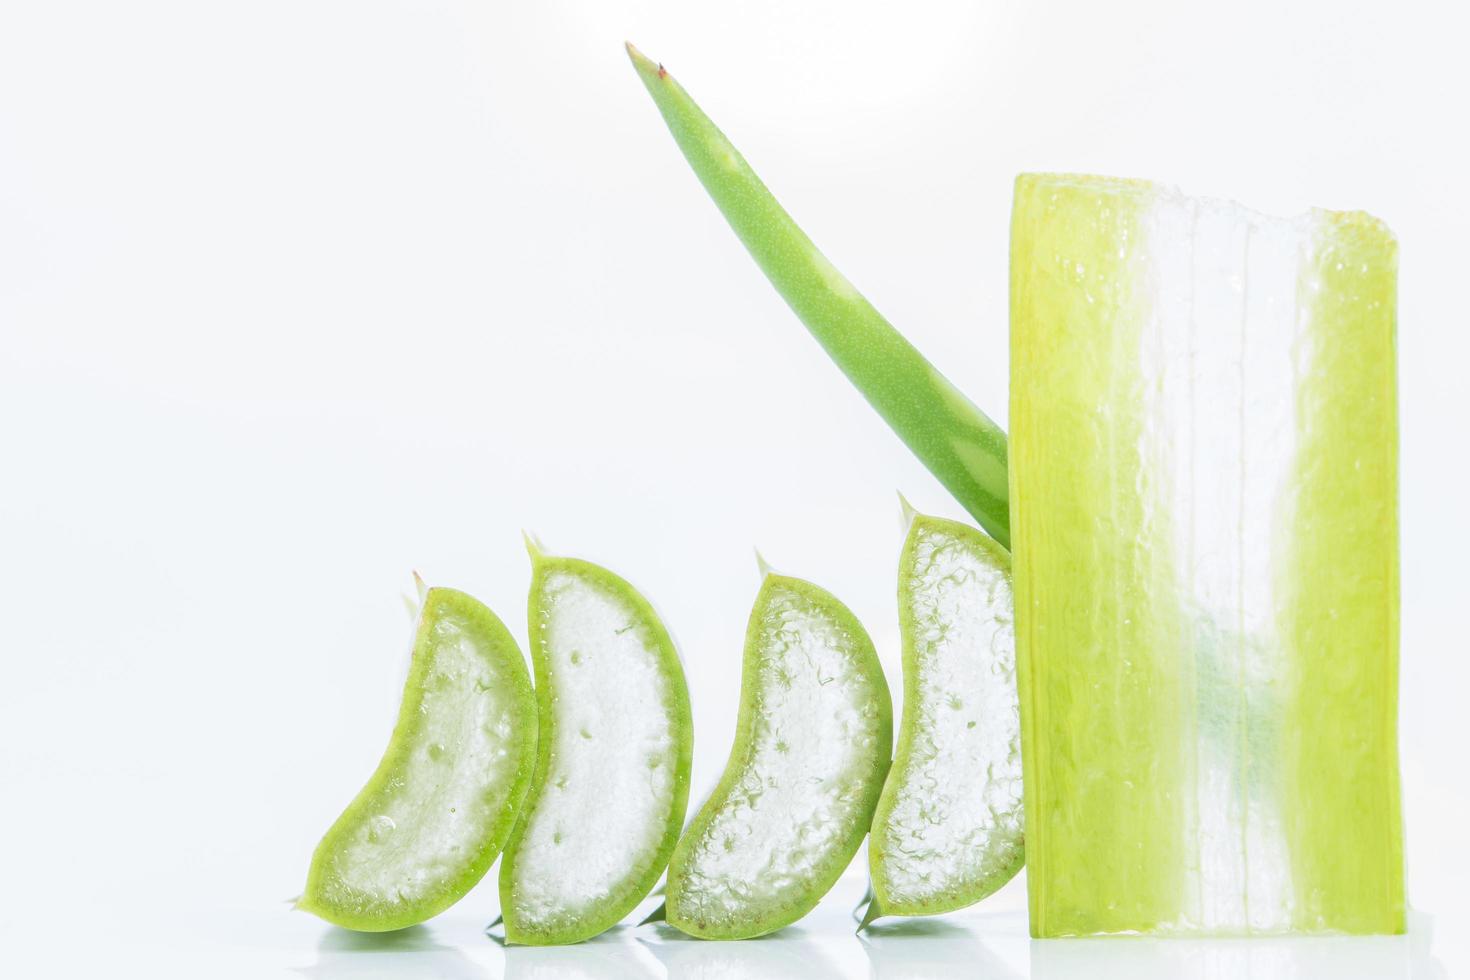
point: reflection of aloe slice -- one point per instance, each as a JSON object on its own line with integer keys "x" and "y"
{"x": 948, "y": 828}
{"x": 612, "y": 773}
{"x": 811, "y": 748}
{"x": 443, "y": 800}
{"x": 965, "y": 450}
{"x": 1204, "y": 485}
{"x": 787, "y": 956}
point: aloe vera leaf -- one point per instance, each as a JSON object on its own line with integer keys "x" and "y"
{"x": 433, "y": 817}
{"x": 812, "y": 745}
{"x": 963, "y": 448}
{"x": 948, "y": 830}
{"x": 1206, "y": 584}
{"x": 612, "y": 769}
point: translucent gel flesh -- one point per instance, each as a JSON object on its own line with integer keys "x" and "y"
{"x": 949, "y": 828}
{"x": 800, "y": 790}
{"x": 1204, "y": 470}
{"x": 605, "y": 802}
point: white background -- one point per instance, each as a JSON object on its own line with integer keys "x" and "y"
{"x": 297, "y": 296}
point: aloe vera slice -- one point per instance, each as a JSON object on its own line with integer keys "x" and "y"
{"x": 963, "y": 448}
{"x": 433, "y": 817}
{"x": 948, "y": 830}
{"x": 812, "y": 745}
{"x": 1206, "y": 563}
{"x": 612, "y": 766}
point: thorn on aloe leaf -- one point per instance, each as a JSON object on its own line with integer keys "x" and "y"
{"x": 908, "y": 511}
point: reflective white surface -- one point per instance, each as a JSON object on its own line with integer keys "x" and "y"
{"x": 989, "y": 941}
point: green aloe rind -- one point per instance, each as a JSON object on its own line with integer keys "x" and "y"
{"x": 963, "y": 448}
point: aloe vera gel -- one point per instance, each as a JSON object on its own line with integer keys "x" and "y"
{"x": 1203, "y": 486}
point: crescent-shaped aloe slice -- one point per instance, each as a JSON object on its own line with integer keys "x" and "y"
{"x": 963, "y": 448}
{"x": 948, "y": 828}
{"x": 612, "y": 768}
{"x": 812, "y": 745}
{"x": 430, "y": 822}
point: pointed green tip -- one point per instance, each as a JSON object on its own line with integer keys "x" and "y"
{"x": 659, "y": 914}
{"x": 646, "y": 66}
{"x": 420, "y": 586}
{"x": 533, "y": 546}
{"x": 909, "y": 513}
{"x": 763, "y": 565}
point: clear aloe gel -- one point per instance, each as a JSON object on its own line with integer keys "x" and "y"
{"x": 612, "y": 767}
{"x": 433, "y": 817}
{"x": 949, "y": 826}
{"x": 1204, "y": 508}
{"x": 812, "y": 746}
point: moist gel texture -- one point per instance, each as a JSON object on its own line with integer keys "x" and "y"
{"x": 1204, "y": 477}
{"x": 948, "y": 830}
{"x": 612, "y": 774}
{"x": 812, "y": 746}
{"x": 443, "y": 800}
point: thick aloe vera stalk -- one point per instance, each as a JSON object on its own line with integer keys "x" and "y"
{"x": 1203, "y": 470}
{"x": 963, "y": 448}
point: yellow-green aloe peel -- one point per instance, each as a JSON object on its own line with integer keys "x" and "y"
{"x": 1339, "y": 589}
{"x": 1203, "y": 471}
{"x": 812, "y": 745}
{"x": 612, "y": 769}
{"x": 949, "y": 828}
{"x": 963, "y": 448}
{"x": 433, "y": 817}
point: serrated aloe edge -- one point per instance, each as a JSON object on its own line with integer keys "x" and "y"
{"x": 963, "y": 448}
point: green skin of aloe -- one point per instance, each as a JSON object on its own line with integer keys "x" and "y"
{"x": 963, "y": 448}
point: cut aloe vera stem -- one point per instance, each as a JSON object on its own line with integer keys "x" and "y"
{"x": 612, "y": 770}
{"x": 433, "y": 817}
{"x": 1206, "y": 577}
{"x": 948, "y": 830}
{"x": 963, "y": 448}
{"x": 812, "y": 745}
